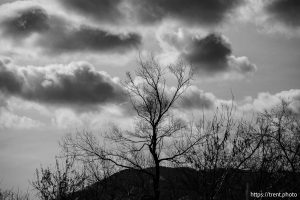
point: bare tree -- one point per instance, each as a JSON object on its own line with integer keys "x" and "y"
{"x": 61, "y": 182}
{"x": 13, "y": 195}
{"x": 279, "y": 152}
{"x": 283, "y": 132}
{"x": 266, "y": 147}
{"x": 229, "y": 145}
{"x": 157, "y": 130}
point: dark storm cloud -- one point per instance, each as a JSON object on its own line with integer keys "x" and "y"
{"x": 58, "y": 35}
{"x": 64, "y": 39}
{"x": 103, "y": 10}
{"x": 209, "y": 53}
{"x": 213, "y": 54}
{"x": 9, "y": 81}
{"x": 205, "y": 12}
{"x": 25, "y": 22}
{"x": 76, "y": 83}
{"x": 285, "y": 11}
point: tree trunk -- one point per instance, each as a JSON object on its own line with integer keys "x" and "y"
{"x": 156, "y": 182}
{"x": 156, "y": 178}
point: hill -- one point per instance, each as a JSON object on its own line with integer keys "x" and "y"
{"x": 189, "y": 184}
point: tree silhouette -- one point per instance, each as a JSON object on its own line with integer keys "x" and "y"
{"x": 157, "y": 131}
{"x": 13, "y": 195}
{"x": 61, "y": 182}
{"x": 216, "y": 153}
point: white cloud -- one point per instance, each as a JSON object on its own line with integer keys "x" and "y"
{"x": 12, "y": 118}
{"x": 194, "y": 98}
{"x": 9, "y": 120}
{"x": 265, "y": 101}
{"x": 67, "y": 119}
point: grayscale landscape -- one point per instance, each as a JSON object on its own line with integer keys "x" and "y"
{"x": 149, "y": 99}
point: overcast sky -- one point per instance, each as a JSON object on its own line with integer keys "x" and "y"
{"x": 62, "y": 63}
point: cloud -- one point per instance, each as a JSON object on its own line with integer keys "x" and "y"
{"x": 3, "y": 101}
{"x": 194, "y": 98}
{"x": 54, "y": 34}
{"x": 274, "y": 16}
{"x": 25, "y": 22}
{"x": 64, "y": 118}
{"x": 213, "y": 54}
{"x": 9, "y": 80}
{"x": 284, "y": 11}
{"x": 9, "y": 120}
{"x": 241, "y": 64}
{"x": 7, "y": 1}
{"x": 204, "y": 12}
{"x": 102, "y": 10}
{"x": 73, "y": 84}
{"x": 209, "y": 53}
{"x": 86, "y": 38}
{"x": 266, "y": 101}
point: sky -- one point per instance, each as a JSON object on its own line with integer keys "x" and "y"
{"x": 63, "y": 65}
